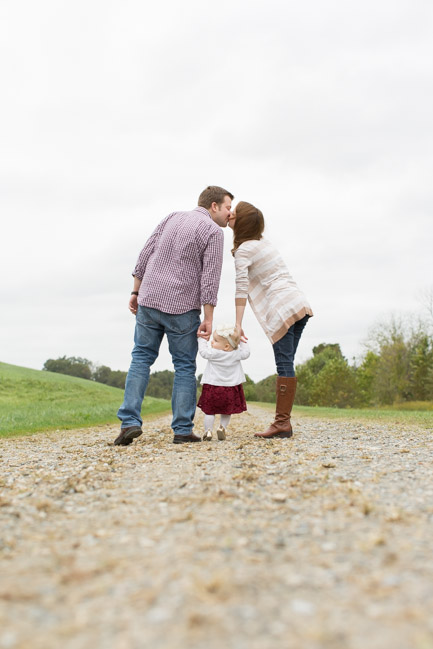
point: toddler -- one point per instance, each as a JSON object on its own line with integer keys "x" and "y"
{"x": 222, "y": 392}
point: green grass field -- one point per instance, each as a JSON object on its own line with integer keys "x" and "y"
{"x": 36, "y": 401}
{"x": 33, "y": 401}
{"x": 404, "y": 414}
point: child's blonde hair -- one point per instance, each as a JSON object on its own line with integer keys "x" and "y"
{"x": 230, "y": 333}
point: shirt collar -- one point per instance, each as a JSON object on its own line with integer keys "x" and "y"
{"x": 203, "y": 210}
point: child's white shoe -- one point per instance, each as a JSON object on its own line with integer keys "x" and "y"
{"x": 207, "y": 436}
{"x": 221, "y": 432}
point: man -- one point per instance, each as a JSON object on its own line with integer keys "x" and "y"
{"x": 178, "y": 271}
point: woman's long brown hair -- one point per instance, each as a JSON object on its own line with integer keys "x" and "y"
{"x": 249, "y": 224}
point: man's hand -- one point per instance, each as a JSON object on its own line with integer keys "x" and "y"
{"x": 133, "y": 304}
{"x": 205, "y": 329}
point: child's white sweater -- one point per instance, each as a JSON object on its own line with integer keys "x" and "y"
{"x": 223, "y": 368}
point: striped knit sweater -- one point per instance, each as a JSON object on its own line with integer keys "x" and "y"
{"x": 274, "y": 296}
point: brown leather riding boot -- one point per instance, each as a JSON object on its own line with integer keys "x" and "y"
{"x": 281, "y": 426}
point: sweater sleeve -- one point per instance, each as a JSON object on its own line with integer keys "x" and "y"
{"x": 205, "y": 350}
{"x": 244, "y": 349}
{"x": 242, "y": 262}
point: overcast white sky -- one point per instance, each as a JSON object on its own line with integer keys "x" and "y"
{"x": 115, "y": 113}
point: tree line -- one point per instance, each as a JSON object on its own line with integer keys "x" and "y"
{"x": 396, "y": 367}
{"x": 160, "y": 383}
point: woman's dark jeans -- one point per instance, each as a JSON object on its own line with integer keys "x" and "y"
{"x": 285, "y": 348}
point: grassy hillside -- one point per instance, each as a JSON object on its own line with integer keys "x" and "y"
{"x": 33, "y": 400}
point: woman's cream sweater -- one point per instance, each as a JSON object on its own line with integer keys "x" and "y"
{"x": 262, "y": 276}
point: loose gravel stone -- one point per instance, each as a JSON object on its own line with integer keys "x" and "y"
{"x": 320, "y": 541}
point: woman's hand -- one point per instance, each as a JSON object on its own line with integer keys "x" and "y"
{"x": 241, "y": 333}
{"x": 240, "y": 304}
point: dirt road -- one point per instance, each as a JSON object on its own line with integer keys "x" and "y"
{"x": 321, "y": 541}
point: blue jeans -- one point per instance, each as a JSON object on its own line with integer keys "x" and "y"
{"x": 285, "y": 348}
{"x": 181, "y": 332}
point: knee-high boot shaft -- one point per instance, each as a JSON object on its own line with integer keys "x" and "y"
{"x": 285, "y": 393}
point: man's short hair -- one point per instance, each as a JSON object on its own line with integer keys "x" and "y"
{"x": 213, "y": 194}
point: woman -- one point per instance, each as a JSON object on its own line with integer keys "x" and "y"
{"x": 278, "y": 304}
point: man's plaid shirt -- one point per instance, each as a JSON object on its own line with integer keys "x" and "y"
{"x": 180, "y": 264}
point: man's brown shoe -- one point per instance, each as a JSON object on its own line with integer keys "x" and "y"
{"x": 127, "y": 435}
{"x": 183, "y": 439}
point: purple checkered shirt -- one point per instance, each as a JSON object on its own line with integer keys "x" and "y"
{"x": 180, "y": 264}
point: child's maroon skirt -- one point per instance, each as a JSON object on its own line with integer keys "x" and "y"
{"x": 222, "y": 400}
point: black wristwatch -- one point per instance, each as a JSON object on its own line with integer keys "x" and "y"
{"x": 134, "y": 292}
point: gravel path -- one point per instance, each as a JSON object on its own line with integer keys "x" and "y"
{"x": 321, "y": 541}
